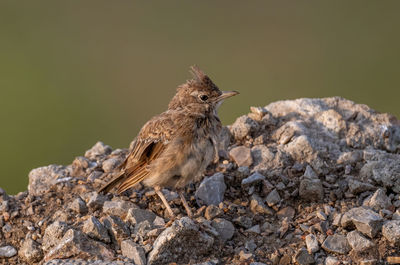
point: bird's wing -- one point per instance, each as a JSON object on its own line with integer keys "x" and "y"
{"x": 149, "y": 145}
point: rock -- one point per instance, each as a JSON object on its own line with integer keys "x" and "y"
{"x": 254, "y": 229}
{"x": 211, "y": 190}
{"x": 3, "y": 195}
{"x": 212, "y": 211}
{"x": 366, "y": 221}
{"x": 336, "y": 244}
{"x": 133, "y": 251}
{"x": 94, "y": 229}
{"x": 358, "y": 242}
{"x": 79, "y": 206}
{"x": 53, "y": 234}
{"x": 73, "y": 261}
{"x": 287, "y": 212}
{"x": 310, "y": 173}
{"x": 95, "y": 200}
{"x": 170, "y": 195}
{"x": 321, "y": 215}
{"x": 391, "y": 231}
{"x": 76, "y": 244}
{"x": 356, "y": 187}
{"x": 42, "y": 178}
{"x": 7, "y": 252}
{"x": 243, "y": 221}
{"x": 312, "y": 243}
{"x": 379, "y": 201}
{"x": 110, "y": 164}
{"x": 257, "y": 206}
{"x": 99, "y": 149}
{"x": 273, "y": 198}
{"x": 117, "y": 207}
{"x": 136, "y": 216}
{"x": 241, "y": 155}
{"x": 253, "y": 179}
{"x": 332, "y": 261}
{"x": 30, "y": 251}
{"x": 181, "y": 241}
{"x": 242, "y": 127}
{"x": 385, "y": 170}
{"x": 117, "y": 229}
{"x": 224, "y": 228}
{"x": 250, "y": 245}
{"x": 311, "y": 189}
{"x": 302, "y": 257}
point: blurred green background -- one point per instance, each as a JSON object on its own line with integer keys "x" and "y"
{"x": 73, "y": 73}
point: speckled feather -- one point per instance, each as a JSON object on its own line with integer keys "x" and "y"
{"x": 177, "y": 145}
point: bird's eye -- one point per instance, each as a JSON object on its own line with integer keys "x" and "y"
{"x": 203, "y": 97}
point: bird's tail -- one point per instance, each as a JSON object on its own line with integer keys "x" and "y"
{"x": 112, "y": 183}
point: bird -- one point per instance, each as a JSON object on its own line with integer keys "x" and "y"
{"x": 175, "y": 147}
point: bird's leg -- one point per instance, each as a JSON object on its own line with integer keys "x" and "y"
{"x": 164, "y": 200}
{"x": 185, "y": 204}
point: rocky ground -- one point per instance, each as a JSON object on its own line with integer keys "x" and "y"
{"x": 302, "y": 181}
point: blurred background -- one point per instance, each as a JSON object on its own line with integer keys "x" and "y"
{"x": 73, "y": 73}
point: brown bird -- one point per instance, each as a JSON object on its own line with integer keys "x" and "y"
{"x": 176, "y": 146}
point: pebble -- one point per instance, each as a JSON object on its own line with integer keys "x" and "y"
{"x": 224, "y": 228}
{"x": 286, "y": 212}
{"x": 331, "y": 261}
{"x": 321, "y": 215}
{"x": 136, "y": 216}
{"x": 110, "y": 164}
{"x": 312, "y": 243}
{"x": 253, "y": 179}
{"x": 98, "y": 149}
{"x": 243, "y": 221}
{"x": 311, "y": 189}
{"x": 133, "y": 251}
{"x": 241, "y": 155}
{"x": 79, "y": 206}
{"x": 336, "y": 244}
{"x": 95, "y": 200}
{"x": 118, "y": 207}
{"x": 94, "y": 229}
{"x": 302, "y": 257}
{"x": 273, "y": 198}
{"x": 53, "y": 233}
{"x": 391, "y": 231}
{"x": 257, "y": 205}
{"x": 366, "y": 221}
{"x": 7, "y": 252}
{"x": 358, "y": 242}
{"x": 211, "y": 190}
{"x": 379, "y": 200}
{"x": 30, "y": 251}
{"x": 254, "y": 229}
{"x": 212, "y": 211}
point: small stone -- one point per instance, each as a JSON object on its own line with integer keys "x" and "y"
{"x": 366, "y": 221}
{"x": 258, "y": 206}
{"x": 41, "y": 179}
{"x": 242, "y": 127}
{"x": 243, "y": 221}
{"x": 391, "y": 231}
{"x": 95, "y": 200}
{"x": 99, "y": 149}
{"x": 211, "y": 190}
{"x": 273, "y": 198}
{"x": 356, "y": 187}
{"x": 250, "y": 245}
{"x": 133, "y": 251}
{"x": 336, "y": 244}
{"x": 117, "y": 229}
{"x": 3, "y": 195}
{"x": 311, "y": 189}
{"x": 79, "y": 206}
{"x": 254, "y": 229}
{"x": 310, "y": 173}
{"x": 168, "y": 246}
{"x": 158, "y": 221}
{"x": 321, "y": 215}
{"x": 312, "y": 243}
{"x": 245, "y": 256}
{"x": 287, "y": 212}
{"x": 136, "y": 216}
{"x": 303, "y": 257}
{"x": 253, "y": 179}
{"x": 337, "y": 219}
{"x": 110, "y": 164}
{"x": 53, "y": 234}
{"x": 358, "y": 242}
{"x": 30, "y": 251}
{"x": 7, "y": 252}
{"x": 224, "y": 228}
{"x": 331, "y": 261}
{"x": 75, "y": 244}
{"x": 212, "y": 211}
{"x": 379, "y": 200}
{"x": 368, "y": 262}
{"x": 241, "y": 155}
{"x": 170, "y": 195}
{"x": 118, "y": 207}
{"x": 94, "y": 229}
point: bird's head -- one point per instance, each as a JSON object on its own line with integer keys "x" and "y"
{"x": 199, "y": 94}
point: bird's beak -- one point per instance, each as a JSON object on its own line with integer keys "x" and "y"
{"x": 226, "y": 94}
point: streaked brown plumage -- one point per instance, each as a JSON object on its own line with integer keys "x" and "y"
{"x": 177, "y": 145}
